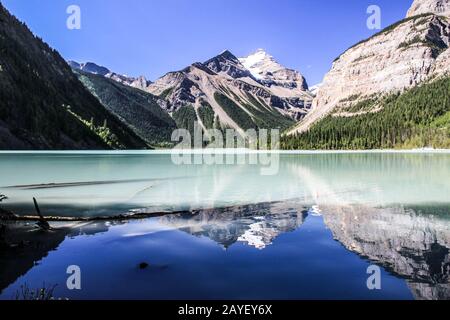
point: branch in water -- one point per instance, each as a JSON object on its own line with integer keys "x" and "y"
{"x": 42, "y": 223}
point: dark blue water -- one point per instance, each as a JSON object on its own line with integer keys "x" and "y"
{"x": 256, "y": 255}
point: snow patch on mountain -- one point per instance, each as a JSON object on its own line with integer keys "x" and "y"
{"x": 268, "y": 71}
{"x": 315, "y": 89}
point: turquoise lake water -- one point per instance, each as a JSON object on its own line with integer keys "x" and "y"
{"x": 111, "y": 183}
{"x": 310, "y": 231}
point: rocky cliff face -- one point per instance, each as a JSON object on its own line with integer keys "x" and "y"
{"x": 401, "y": 56}
{"x": 89, "y": 67}
{"x": 439, "y": 7}
{"x": 245, "y": 101}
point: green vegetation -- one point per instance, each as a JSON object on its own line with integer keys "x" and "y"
{"x": 363, "y": 57}
{"x": 206, "y": 114}
{"x": 166, "y": 93}
{"x": 2, "y": 211}
{"x": 435, "y": 209}
{"x": 36, "y": 83}
{"x": 185, "y": 117}
{"x": 241, "y": 117}
{"x": 437, "y": 47}
{"x": 218, "y": 124}
{"x": 103, "y": 132}
{"x": 267, "y": 117}
{"x": 263, "y": 116}
{"x": 360, "y": 106}
{"x": 406, "y": 44}
{"x": 42, "y": 294}
{"x": 351, "y": 98}
{"x": 418, "y": 118}
{"x": 138, "y": 109}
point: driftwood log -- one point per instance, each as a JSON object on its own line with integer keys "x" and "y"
{"x": 42, "y": 223}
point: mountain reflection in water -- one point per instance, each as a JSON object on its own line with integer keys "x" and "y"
{"x": 283, "y": 244}
{"x": 413, "y": 244}
{"x": 256, "y": 225}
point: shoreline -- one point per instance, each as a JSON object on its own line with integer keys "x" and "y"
{"x": 8, "y": 216}
{"x": 222, "y": 151}
{"x": 120, "y": 217}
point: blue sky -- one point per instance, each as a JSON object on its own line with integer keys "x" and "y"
{"x": 152, "y": 37}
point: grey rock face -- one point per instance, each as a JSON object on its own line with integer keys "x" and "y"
{"x": 89, "y": 67}
{"x": 225, "y": 74}
{"x": 227, "y": 63}
{"x": 400, "y": 57}
{"x": 439, "y": 7}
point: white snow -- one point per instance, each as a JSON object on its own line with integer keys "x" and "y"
{"x": 315, "y": 88}
{"x": 259, "y": 63}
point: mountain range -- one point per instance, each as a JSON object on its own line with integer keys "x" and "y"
{"x": 389, "y": 91}
{"x": 225, "y": 92}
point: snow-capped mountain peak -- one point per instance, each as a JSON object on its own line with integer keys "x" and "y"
{"x": 259, "y": 63}
{"x": 282, "y": 81}
{"x": 266, "y": 69}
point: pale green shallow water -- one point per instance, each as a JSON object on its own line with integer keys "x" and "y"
{"x": 116, "y": 182}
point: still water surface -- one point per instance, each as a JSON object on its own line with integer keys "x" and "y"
{"x": 308, "y": 232}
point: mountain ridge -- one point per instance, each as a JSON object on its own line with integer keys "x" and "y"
{"x": 48, "y": 107}
{"x": 269, "y": 103}
{"x": 44, "y": 106}
{"x": 224, "y": 74}
{"x": 403, "y": 55}
{"x": 90, "y": 67}
{"x": 139, "y": 109}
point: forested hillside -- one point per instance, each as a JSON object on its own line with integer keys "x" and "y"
{"x": 417, "y": 118}
{"x": 138, "y": 109}
{"x": 42, "y": 103}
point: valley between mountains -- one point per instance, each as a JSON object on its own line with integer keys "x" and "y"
{"x": 389, "y": 91}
